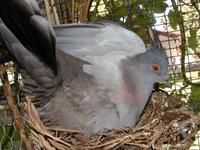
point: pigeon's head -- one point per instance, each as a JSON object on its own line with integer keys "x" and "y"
{"x": 146, "y": 69}
{"x": 153, "y": 65}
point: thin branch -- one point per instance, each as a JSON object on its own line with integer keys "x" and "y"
{"x": 183, "y": 44}
{"x": 13, "y": 108}
{"x": 65, "y": 11}
{"x": 95, "y": 11}
{"x": 195, "y": 5}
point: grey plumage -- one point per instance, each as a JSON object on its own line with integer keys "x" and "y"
{"x": 102, "y": 77}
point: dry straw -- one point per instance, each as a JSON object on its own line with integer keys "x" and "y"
{"x": 167, "y": 123}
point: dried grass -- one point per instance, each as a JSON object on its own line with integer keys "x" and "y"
{"x": 167, "y": 122}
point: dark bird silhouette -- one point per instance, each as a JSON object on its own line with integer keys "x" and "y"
{"x": 88, "y": 77}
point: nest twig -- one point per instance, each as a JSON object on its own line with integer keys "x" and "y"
{"x": 167, "y": 122}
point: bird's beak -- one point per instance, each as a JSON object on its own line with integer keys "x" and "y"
{"x": 165, "y": 81}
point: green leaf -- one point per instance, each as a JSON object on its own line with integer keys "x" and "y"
{"x": 148, "y": 5}
{"x": 141, "y": 31}
{"x": 173, "y": 20}
{"x": 194, "y": 98}
{"x": 121, "y": 12}
{"x": 193, "y": 40}
{"x": 143, "y": 19}
{"x": 160, "y": 6}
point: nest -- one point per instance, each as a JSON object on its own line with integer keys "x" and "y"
{"x": 167, "y": 123}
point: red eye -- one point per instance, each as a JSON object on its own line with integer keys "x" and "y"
{"x": 155, "y": 68}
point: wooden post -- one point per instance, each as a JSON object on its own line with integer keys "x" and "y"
{"x": 55, "y": 15}
{"x": 48, "y": 12}
{"x": 85, "y": 11}
{"x": 73, "y": 10}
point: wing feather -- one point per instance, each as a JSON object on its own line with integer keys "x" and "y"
{"x": 103, "y": 46}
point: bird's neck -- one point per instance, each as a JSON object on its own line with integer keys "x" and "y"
{"x": 132, "y": 100}
{"x": 135, "y": 87}
{"x": 131, "y": 103}
{"x": 137, "y": 95}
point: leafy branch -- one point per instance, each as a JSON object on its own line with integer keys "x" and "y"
{"x": 183, "y": 44}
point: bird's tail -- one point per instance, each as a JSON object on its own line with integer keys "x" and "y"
{"x": 24, "y": 20}
{"x": 31, "y": 43}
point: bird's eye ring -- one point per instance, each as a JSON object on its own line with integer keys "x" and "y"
{"x": 155, "y": 68}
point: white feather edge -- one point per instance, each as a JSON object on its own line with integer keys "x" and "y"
{"x": 103, "y": 48}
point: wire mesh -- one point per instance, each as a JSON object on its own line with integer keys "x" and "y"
{"x": 9, "y": 135}
{"x": 175, "y": 23}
